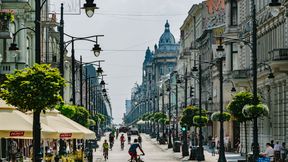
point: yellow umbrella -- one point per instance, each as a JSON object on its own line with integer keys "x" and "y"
{"x": 66, "y": 128}
{"x": 15, "y": 124}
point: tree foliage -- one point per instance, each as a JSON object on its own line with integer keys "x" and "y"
{"x": 33, "y": 88}
{"x": 145, "y": 116}
{"x": 188, "y": 114}
{"x": 200, "y": 121}
{"x": 77, "y": 113}
{"x": 235, "y": 107}
{"x": 99, "y": 118}
{"x": 251, "y": 111}
{"x": 67, "y": 110}
{"x": 81, "y": 116}
{"x": 158, "y": 116}
{"x": 216, "y": 116}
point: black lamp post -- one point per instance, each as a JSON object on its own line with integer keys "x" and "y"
{"x": 178, "y": 81}
{"x": 274, "y": 5}
{"x": 185, "y": 149}
{"x": 220, "y": 49}
{"x": 200, "y": 150}
{"x": 170, "y": 115}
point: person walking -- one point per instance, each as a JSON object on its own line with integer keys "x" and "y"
{"x": 213, "y": 147}
{"x": 277, "y": 149}
{"x": 283, "y": 152}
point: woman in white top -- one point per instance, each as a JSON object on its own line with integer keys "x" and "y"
{"x": 269, "y": 152}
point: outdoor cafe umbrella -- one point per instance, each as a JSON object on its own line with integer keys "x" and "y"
{"x": 16, "y": 124}
{"x": 66, "y": 128}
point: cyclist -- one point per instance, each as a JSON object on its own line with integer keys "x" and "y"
{"x": 111, "y": 140}
{"x": 133, "y": 150}
{"x": 105, "y": 149}
{"x": 122, "y": 140}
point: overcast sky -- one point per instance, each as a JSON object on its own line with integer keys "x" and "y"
{"x": 129, "y": 27}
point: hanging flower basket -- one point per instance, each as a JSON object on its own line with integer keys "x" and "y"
{"x": 200, "y": 121}
{"x": 216, "y": 116}
{"x": 251, "y": 111}
{"x": 6, "y": 17}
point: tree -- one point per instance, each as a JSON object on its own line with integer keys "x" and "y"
{"x": 81, "y": 116}
{"x": 35, "y": 88}
{"x": 188, "y": 115}
{"x": 67, "y": 110}
{"x": 216, "y": 116}
{"x": 235, "y": 107}
{"x": 237, "y": 104}
{"x": 200, "y": 121}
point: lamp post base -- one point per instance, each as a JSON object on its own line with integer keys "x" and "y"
{"x": 193, "y": 153}
{"x": 200, "y": 154}
{"x": 170, "y": 145}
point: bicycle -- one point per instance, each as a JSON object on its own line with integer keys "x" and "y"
{"x": 122, "y": 145}
{"x": 138, "y": 159}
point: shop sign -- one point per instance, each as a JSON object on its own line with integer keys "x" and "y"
{"x": 65, "y": 135}
{"x": 16, "y": 133}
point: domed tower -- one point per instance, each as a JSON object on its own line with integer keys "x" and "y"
{"x": 165, "y": 54}
{"x": 167, "y": 40}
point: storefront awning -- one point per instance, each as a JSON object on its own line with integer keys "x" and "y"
{"x": 16, "y": 124}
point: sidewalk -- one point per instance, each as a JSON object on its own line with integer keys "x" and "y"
{"x": 230, "y": 157}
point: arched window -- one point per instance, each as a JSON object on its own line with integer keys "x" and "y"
{"x": 234, "y": 13}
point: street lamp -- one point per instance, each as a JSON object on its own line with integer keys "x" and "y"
{"x": 73, "y": 39}
{"x": 274, "y": 5}
{"x": 169, "y": 106}
{"x": 220, "y": 51}
{"x": 89, "y": 7}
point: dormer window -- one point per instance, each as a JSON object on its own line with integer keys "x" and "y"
{"x": 234, "y": 13}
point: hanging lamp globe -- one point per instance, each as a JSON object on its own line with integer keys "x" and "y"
{"x": 102, "y": 83}
{"x": 99, "y": 70}
{"x": 13, "y": 47}
{"x": 275, "y": 7}
{"x": 96, "y": 49}
{"x": 89, "y": 7}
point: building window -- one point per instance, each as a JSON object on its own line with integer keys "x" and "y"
{"x": 161, "y": 70}
{"x": 234, "y": 57}
{"x": 234, "y": 13}
{"x": 170, "y": 68}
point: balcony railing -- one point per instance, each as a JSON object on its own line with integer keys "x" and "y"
{"x": 9, "y": 67}
{"x": 279, "y": 54}
{"x": 15, "y": 1}
{"x": 240, "y": 74}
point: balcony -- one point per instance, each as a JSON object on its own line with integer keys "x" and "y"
{"x": 240, "y": 74}
{"x": 280, "y": 54}
{"x": 16, "y": 4}
{"x": 15, "y": 1}
{"x": 9, "y": 67}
